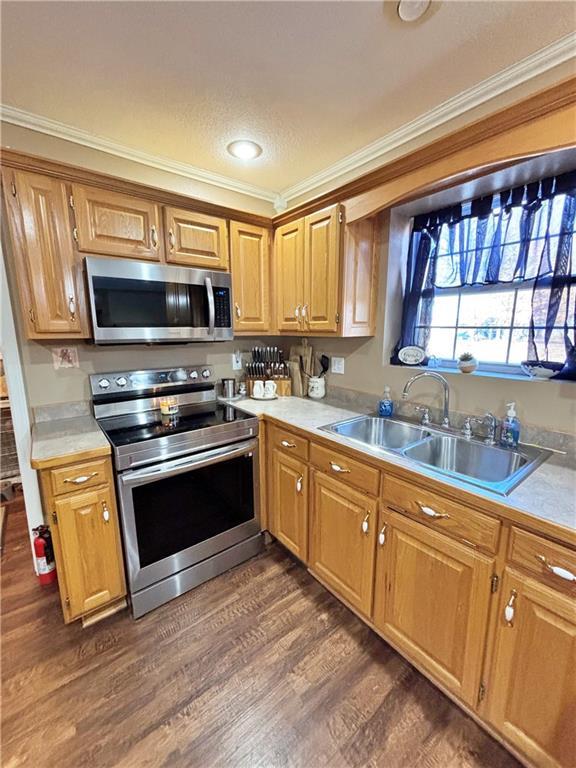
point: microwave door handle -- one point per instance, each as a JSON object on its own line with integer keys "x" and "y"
{"x": 211, "y": 310}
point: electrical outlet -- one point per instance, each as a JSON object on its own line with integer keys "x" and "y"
{"x": 337, "y": 365}
{"x": 237, "y": 361}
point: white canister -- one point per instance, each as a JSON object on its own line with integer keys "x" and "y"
{"x": 316, "y": 387}
{"x": 270, "y": 389}
{"x": 258, "y": 389}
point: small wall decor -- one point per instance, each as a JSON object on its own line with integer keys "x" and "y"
{"x": 411, "y": 355}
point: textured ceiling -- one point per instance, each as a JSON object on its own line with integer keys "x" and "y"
{"x": 310, "y": 81}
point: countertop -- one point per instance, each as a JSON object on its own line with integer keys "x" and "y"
{"x": 548, "y": 494}
{"x": 61, "y": 440}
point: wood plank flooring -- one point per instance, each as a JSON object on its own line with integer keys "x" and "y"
{"x": 259, "y": 668}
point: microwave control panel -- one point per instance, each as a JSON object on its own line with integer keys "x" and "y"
{"x": 222, "y": 308}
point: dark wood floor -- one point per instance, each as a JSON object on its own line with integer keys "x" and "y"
{"x": 259, "y": 668}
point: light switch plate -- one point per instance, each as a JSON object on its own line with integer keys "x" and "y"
{"x": 237, "y": 361}
{"x": 65, "y": 357}
{"x": 337, "y": 365}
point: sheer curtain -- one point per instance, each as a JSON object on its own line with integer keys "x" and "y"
{"x": 525, "y": 235}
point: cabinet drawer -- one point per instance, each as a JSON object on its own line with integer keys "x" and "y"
{"x": 289, "y": 442}
{"x": 348, "y": 470}
{"x": 550, "y": 562}
{"x": 444, "y": 515}
{"x": 76, "y": 477}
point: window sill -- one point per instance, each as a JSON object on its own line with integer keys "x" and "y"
{"x": 478, "y": 373}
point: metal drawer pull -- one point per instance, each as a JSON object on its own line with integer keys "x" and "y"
{"x": 429, "y": 512}
{"x": 509, "y": 610}
{"x": 238, "y": 310}
{"x": 72, "y": 308}
{"x": 365, "y": 526}
{"x": 382, "y": 536}
{"x": 556, "y": 570}
{"x": 80, "y": 479}
{"x": 154, "y": 235}
{"x": 105, "y": 512}
{"x": 299, "y": 484}
{"x": 286, "y": 444}
{"x": 338, "y": 468}
{"x": 171, "y": 239}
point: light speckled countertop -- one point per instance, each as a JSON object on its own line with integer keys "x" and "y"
{"x": 52, "y": 441}
{"x": 549, "y": 493}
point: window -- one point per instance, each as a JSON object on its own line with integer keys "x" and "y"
{"x": 496, "y": 277}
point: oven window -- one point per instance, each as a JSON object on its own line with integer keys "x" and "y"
{"x": 125, "y": 303}
{"x": 179, "y": 512}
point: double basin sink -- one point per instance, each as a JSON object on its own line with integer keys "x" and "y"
{"x": 495, "y": 469}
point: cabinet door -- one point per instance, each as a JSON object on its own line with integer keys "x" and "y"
{"x": 250, "y": 264}
{"x": 290, "y": 503}
{"x": 46, "y": 267}
{"x": 532, "y": 686}
{"x": 322, "y": 270}
{"x": 342, "y": 538}
{"x": 116, "y": 225}
{"x": 431, "y": 599}
{"x": 289, "y": 275}
{"x": 360, "y": 278}
{"x": 90, "y": 548}
{"x": 196, "y": 240}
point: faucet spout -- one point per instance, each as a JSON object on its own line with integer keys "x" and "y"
{"x": 445, "y": 388}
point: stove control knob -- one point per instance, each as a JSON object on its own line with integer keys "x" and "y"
{"x": 206, "y": 373}
{"x": 193, "y": 374}
{"x": 121, "y": 381}
{"x": 104, "y": 383}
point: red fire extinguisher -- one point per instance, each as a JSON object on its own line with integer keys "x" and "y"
{"x": 44, "y": 554}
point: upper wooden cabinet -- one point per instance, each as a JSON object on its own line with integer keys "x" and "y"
{"x": 289, "y": 276}
{"x": 432, "y": 597}
{"x": 114, "y": 224}
{"x": 196, "y": 240}
{"x": 532, "y": 686}
{"x": 250, "y": 265}
{"x": 320, "y": 310}
{"x": 43, "y": 260}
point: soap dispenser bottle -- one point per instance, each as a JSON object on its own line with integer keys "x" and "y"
{"x": 386, "y": 405}
{"x": 510, "y": 434}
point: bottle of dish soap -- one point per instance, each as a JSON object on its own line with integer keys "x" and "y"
{"x": 510, "y": 434}
{"x": 386, "y": 405}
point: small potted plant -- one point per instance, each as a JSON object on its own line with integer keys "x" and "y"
{"x": 467, "y": 362}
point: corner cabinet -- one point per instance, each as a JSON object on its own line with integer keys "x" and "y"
{"x": 43, "y": 260}
{"x": 250, "y": 267}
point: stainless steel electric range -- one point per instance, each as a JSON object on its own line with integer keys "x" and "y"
{"x": 188, "y": 490}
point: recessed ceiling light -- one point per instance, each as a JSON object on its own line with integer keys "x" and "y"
{"x": 412, "y": 10}
{"x": 244, "y": 149}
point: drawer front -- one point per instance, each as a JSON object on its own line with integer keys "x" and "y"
{"x": 76, "y": 477}
{"x": 289, "y": 442}
{"x": 444, "y": 515}
{"x": 550, "y": 562}
{"x": 347, "y": 470}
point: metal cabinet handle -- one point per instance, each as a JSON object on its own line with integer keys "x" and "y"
{"x": 286, "y": 444}
{"x": 429, "y": 512}
{"x": 299, "y": 484}
{"x": 382, "y": 536}
{"x": 154, "y": 235}
{"x": 338, "y": 468}
{"x": 171, "y": 239}
{"x": 238, "y": 310}
{"x": 105, "y": 512}
{"x": 510, "y": 610}
{"x": 556, "y": 570}
{"x": 365, "y": 526}
{"x": 80, "y": 479}
{"x": 297, "y": 312}
{"x": 72, "y": 308}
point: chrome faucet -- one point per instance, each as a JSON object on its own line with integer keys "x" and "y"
{"x": 492, "y": 423}
{"x": 446, "y": 388}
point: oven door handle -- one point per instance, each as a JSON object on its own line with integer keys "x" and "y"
{"x": 211, "y": 309}
{"x": 178, "y": 466}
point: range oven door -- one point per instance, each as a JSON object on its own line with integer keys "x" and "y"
{"x": 135, "y": 302}
{"x": 178, "y": 513}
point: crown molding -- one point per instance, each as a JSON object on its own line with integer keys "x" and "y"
{"x": 536, "y": 64}
{"x": 60, "y": 130}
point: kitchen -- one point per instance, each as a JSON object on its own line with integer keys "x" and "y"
{"x": 343, "y": 575}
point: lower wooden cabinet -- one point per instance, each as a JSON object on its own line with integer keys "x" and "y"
{"x": 432, "y": 597}
{"x": 532, "y": 686}
{"x": 342, "y": 538}
{"x": 290, "y": 503}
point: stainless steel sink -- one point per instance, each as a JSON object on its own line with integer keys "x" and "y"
{"x": 496, "y": 469}
{"x": 379, "y": 433}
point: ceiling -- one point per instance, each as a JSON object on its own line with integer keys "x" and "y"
{"x": 311, "y": 82}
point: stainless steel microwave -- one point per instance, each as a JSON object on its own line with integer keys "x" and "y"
{"x": 135, "y": 302}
